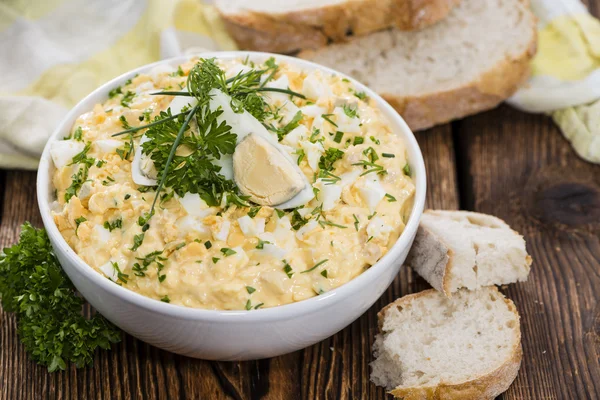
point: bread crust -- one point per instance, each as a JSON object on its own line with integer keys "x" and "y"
{"x": 314, "y": 28}
{"x": 432, "y": 258}
{"x": 487, "y": 92}
{"x": 426, "y": 255}
{"x": 484, "y": 387}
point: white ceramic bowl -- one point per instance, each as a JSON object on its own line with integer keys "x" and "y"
{"x": 231, "y": 335}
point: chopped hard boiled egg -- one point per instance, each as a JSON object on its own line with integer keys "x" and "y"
{"x": 270, "y": 196}
{"x": 63, "y": 151}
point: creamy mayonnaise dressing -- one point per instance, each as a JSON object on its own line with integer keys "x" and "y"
{"x": 221, "y": 257}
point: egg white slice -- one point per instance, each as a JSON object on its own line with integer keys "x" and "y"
{"x": 63, "y": 151}
{"x": 138, "y": 175}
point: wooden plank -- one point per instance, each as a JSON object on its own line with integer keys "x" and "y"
{"x": 335, "y": 368}
{"x": 519, "y": 167}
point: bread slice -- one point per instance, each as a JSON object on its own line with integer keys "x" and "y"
{"x": 432, "y": 347}
{"x": 469, "y": 62}
{"x": 290, "y": 25}
{"x": 462, "y": 249}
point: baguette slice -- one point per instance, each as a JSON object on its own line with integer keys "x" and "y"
{"x": 456, "y": 249}
{"x": 469, "y": 62}
{"x": 432, "y": 347}
{"x": 292, "y": 25}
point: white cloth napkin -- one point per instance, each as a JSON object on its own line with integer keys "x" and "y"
{"x": 57, "y": 51}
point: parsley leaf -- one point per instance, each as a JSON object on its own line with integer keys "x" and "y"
{"x": 78, "y": 134}
{"x": 194, "y": 171}
{"x": 228, "y": 252}
{"x": 116, "y": 224}
{"x": 127, "y": 98}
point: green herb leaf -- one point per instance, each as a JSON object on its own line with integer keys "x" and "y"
{"x": 350, "y": 111}
{"x": 407, "y": 171}
{"x": 116, "y": 224}
{"x": 80, "y": 220}
{"x": 297, "y": 220}
{"x": 338, "y": 137}
{"x": 330, "y": 156}
{"x": 323, "y": 223}
{"x": 179, "y": 72}
{"x": 228, "y": 252}
{"x": 326, "y": 118}
{"x": 78, "y": 134}
{"x": 261, "y": 244}
{"x": 356, "y": 222}
{"x": 253, "y": 211}
{"x": 120, "y": 275}
{"x": 115, "y": 92}
{"x": 370, "y": 167}
{"x": 290, "y": 126}
{"x": 287, "y": 268}
{"x": 137, "y": 241}
{"x": 250, "y": 289}
{"x": 48, "y": 308}
{"x": 127, "y": 98}
{"x": 315, "y": 266}
{"x": 301, "y": 154}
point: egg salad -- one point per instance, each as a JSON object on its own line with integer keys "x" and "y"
{"x": 232, "y": 185}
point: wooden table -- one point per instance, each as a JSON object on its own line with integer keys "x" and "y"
{"x": 503, "y": 162}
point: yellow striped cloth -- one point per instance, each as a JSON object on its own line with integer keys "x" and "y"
{"x": 55, "y": 52}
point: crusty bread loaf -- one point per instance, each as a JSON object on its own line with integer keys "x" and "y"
{"x": 431, "y": 347}
{"x": 469, "y": 62}
{"x": 292, "y": 25}
{"x": 456, "y": 249}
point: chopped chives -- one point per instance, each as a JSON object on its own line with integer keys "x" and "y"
{"x": 315, "y": 266}
{"x": 338, "y": 137}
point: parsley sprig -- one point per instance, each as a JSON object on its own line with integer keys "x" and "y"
{"x": 48, "y": 309}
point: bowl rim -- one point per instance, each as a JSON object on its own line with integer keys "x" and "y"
{"x": 282, "y": 312}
